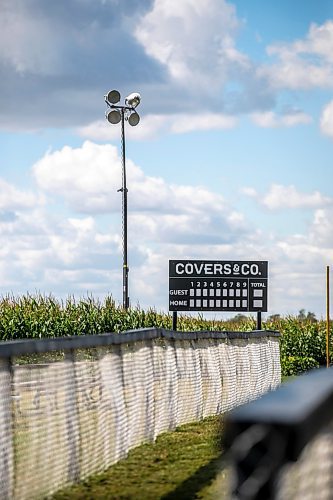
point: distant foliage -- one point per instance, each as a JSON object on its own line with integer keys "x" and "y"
{"x": 295, "y": 365}
{"x": 303, "y": 339}
{"x": 303, "y": 342}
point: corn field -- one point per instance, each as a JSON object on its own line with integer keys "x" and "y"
{"x": 303, "y": 342}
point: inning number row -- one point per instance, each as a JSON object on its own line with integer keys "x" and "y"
{"x": 225, "y": 292}
{"x": 218, "y": 284}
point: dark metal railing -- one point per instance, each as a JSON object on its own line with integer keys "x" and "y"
{"x": 264, "y": 436}
{"x": 21, "y": 347}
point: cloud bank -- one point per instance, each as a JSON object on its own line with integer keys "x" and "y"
{"x": 81, "y": 249}
{"x": 60, "y": 59}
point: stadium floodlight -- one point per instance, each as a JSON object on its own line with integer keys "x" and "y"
{"x": 114, "y": 115}
{"x": 112, "y": 96}
{"x": 133, "y": 100}
{"x": 133, "y": 119}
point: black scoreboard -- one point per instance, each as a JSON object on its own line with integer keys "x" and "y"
{"x": 218, "y": 285}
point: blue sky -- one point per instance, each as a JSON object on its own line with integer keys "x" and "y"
{"x": 231, "y": 159}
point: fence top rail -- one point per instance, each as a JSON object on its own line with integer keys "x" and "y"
{"x": 21, "y": 347}
{"x": 297, "y": 410}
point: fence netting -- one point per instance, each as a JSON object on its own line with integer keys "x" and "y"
{"x": 67, "y": 414}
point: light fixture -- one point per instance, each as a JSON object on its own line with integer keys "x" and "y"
{"x": 112, "y": 97}
{"x": 133, "y": 119}
{"x": 133, "y": 100}
{"x": 113, "y": 116}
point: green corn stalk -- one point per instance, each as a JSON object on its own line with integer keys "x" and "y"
{"x": 42, "y": 316}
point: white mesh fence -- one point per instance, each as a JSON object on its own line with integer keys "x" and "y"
{"x": 70, "y": 413}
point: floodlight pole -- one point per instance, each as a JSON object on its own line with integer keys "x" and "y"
{"x": 121, "y": 113}
{"x": 124, "y": 191}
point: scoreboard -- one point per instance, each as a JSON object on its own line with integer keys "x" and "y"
{"x": 211, "y": 285}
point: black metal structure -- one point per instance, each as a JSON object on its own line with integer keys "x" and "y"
{"x": 22, "y": 347}
{"x": 263, "y": 436}
{"x": 124, "y": 213}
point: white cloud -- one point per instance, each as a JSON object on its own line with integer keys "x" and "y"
{"x": 12, "y": 198}
{"x": 72, "y": 254}
{"x": 169, "y": 221}
{"x": 74, "y": 235}
{"x": 62, "y": 254}
{"x": 269, "y": 119}
{"x": 304, "y": 64}
{"x": 51, "y": 54}
{"x": 88, "y": 179}
{"x": 296, "y": 266}
{"x": 301, "y": 260}
{"x": 204, "y": 121}
{"x": 320, "y": 233}
{"x": 46, "y": 252}
{"x": 201, "y": 227}
{"x": 279, "y": 197}
{"x": 249, "y": 191}
{"x": 148, "y": 127}
{"x": 326, "y": 120}
{"x": 194, "y": 40}
{"x": 28, "y": 43}
{"x": 153, "y": 125}
{"x": 177, "y": 54}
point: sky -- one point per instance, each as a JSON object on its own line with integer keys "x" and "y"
{"x": 231, "y": 160}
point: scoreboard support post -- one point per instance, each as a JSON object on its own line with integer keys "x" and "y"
{"x": 174, "y": 320}
{"x": 259, "y": 320}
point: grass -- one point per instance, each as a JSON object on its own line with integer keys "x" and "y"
{"x": 183, "y": 464}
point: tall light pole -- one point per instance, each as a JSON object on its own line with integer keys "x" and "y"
{"x": 114, "y": 115}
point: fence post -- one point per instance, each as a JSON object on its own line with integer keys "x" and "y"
{"x": 328, "y": 316}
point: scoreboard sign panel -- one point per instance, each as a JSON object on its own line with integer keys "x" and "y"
{"x": 211, "y": 285}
